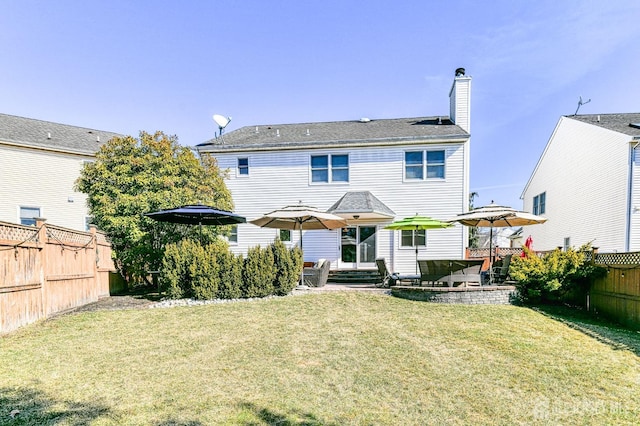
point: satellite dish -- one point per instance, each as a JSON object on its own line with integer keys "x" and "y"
{"x": 221, "y": 121}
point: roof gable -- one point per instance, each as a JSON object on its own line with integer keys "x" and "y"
{"x": 53, "y": 136}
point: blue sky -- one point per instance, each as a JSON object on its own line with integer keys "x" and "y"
{"x": 126, "y": 66}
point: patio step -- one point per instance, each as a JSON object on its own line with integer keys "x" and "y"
{"x": 362, "y": 276}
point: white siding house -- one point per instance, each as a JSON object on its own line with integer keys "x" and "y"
{"x": 39, "y": 163}
{"x": 368, "y": 171}
{"x": 587, "y": 183}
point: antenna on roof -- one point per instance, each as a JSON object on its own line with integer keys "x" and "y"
{"x": 222, "y": 122}
{"x": 580, "y": 103}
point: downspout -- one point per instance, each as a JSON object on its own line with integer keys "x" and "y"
{"x": 630, "y": 196}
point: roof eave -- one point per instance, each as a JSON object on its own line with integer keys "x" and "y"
{"x": 39, "y": 147}
{"x": 286, "y": 146}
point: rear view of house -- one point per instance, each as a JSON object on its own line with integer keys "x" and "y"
{"x": 587, "y": 183}
{"x": 368, "y": 171}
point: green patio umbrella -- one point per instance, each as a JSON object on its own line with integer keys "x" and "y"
{"x": 416, "y": 223}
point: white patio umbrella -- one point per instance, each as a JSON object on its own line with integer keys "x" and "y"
{"x": 299, "y": 217}
{"x": 495, "y": 216}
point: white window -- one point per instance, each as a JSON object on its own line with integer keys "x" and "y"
{"x": 435, "y": 164}
{"x": 243, "y": 167}
{"x": 413, "y": 238}
{"x": 88, "y": 220}
{"x": 285, "y": 235}
{"x": 28, "y": 215}
{"x": 421, "y": 164}
{"x": 233, "y": 235}
{"x": 330, "y": 168}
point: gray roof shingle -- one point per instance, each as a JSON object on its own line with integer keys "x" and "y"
{"x": 360, "y": 202}
{"x": 617, "y": 122}
{"x": 48, "y": 135}
{"x": 338, "y": 133}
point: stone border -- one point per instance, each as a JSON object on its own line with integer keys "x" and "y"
{"x": 481, "y": 295}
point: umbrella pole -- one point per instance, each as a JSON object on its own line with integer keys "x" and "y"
{"x": 302, "y": 253}
{"x": 491, "y": 255}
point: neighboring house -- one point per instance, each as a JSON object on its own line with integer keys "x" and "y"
{"x": 39, "y": 163}
{"x": 369, "y": 171}
{"x": 502, "y": 237}
{"x": 587, "y": 183}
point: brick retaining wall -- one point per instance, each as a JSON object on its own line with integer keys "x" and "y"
{"x": 483, "y": 295}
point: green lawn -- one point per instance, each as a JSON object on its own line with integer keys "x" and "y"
{"x": 320, "y": 359}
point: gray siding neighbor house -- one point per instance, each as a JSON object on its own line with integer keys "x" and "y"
{"x": 369, "y": 171}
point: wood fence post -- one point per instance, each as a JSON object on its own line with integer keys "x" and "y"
{"x": 41, "y": 241}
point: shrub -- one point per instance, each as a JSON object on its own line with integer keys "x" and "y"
{"x": 230, "y": 286}
{"x": 259, "y": 273}
{"x": 287, "y": 273}
{"x": 177, "y": 269}
{"x": 558, "y": 276}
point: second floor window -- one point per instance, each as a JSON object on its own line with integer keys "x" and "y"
{"x": 330, "y": 168}
{"x": 243, "y": 166}
{"x": 421, "y": 164}
{"x": 539, "y": 203}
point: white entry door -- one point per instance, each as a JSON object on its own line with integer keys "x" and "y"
{"x": 358, "y": 247}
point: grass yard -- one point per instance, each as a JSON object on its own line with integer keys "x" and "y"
{"x": 344, "y": 358}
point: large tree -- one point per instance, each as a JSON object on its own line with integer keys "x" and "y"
{"x": 131, "y": 177}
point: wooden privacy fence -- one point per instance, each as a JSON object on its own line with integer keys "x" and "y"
{"x": 617, "y": 295}
{"x": 46, "y": 269}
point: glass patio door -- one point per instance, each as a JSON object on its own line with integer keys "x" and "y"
{"x": 358, "y": 247}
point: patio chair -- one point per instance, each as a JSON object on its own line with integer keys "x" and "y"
{"x": 317, "y": 275}
{"x": 388, "y": 279}
{"x": 501, "y": 269}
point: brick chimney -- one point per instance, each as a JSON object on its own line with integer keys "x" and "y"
{"x": 460, "y": 100}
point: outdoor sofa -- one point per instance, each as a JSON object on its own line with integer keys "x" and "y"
{"x": 450, "y": 271}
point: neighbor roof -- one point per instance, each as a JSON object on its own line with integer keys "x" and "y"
{"x": 338, "y": 133}
{"x": 53, "y": 136}
{"x": 621, "y": 123}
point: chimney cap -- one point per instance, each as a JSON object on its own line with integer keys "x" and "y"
{"x": 459, "y": 72}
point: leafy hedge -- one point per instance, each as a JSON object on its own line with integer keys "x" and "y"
{"x": 559, "y": 276}
{"x": 192, "y": 270}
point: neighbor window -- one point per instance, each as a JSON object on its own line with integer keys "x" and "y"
{"x": 330, "y": 168}
{"x": 567, "y": 243}
{"x": 285, "y": 235}
{"x": 243, "y": 166}
{"x": 539, "y": 203}
{"x": 413, "y": 238}
{"x": 88, "y": 220}
{"x": 421, "y": 164}
{"x": 28, "y": 215}
{"x": 233, "y": 235}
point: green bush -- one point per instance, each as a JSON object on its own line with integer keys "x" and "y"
{"x": 177, "y": 269}
{"x": 259, "y": 273}
{"x": 559, "y": 276}
{"x": 191, "y": 270}
{"x": 287, "y": 272}
{"x": 230, "y": 286}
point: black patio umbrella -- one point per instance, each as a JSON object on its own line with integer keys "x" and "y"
{"x": 197, "y": 214}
